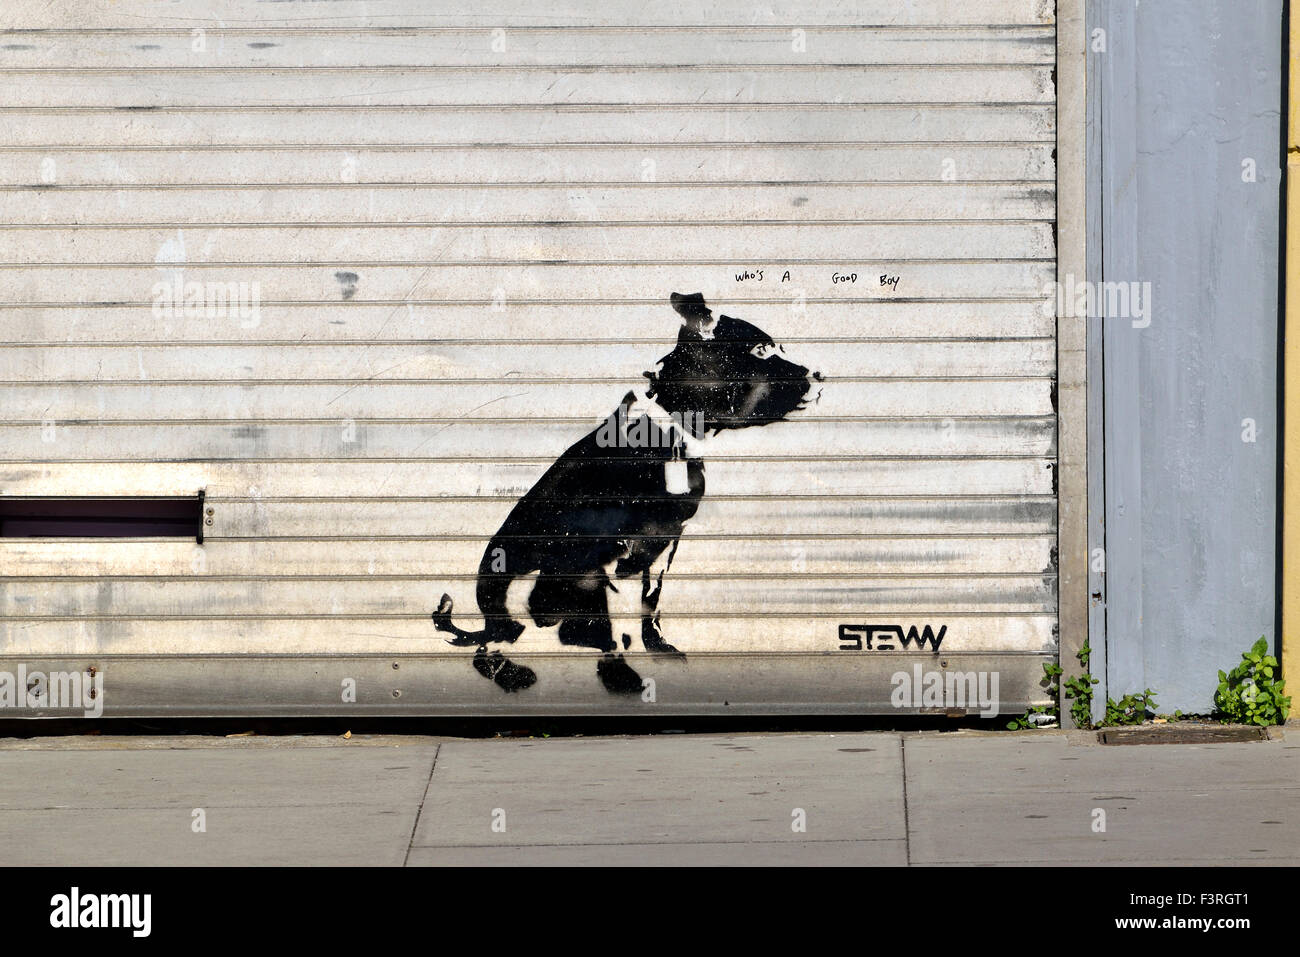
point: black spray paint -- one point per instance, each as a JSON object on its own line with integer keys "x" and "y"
{"x": 620, "y": 497}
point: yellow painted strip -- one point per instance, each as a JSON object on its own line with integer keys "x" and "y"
{"x": 1291, "y": 440}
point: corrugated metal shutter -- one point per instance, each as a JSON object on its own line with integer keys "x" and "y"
{"x": 462, "y": 227}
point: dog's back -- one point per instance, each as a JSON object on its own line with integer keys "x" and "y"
{"x": 598, "y": 503}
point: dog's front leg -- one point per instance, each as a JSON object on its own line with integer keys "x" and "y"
{"x": 652, "y": 584}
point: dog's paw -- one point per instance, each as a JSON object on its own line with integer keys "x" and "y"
{"x": 513, "y": 677}
{"x": 507, "y": 675}
{"x": 662, "y": 649}
{"x": 653, "y": 641}
{"x": 617, "y": 675}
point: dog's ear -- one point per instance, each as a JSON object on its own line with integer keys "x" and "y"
{"x": 699, "y": 327}
{"x": 698, "y": 320}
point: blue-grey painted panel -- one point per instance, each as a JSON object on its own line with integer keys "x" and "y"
{"x": 1190, "y": 115}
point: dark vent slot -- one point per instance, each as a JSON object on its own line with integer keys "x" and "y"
{"x": 173, "y": 517}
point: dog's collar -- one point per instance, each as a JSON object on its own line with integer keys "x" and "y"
{"x": 643, "y": 405}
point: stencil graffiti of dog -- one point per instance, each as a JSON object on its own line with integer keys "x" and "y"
{"x": 609, "y": 512}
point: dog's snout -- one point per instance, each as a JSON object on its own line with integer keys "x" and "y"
{"x": 813, "y": 389}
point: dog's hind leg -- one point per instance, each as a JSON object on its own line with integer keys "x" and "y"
{"x": 581, "y": 604}
{"x": 586, "y": 623}
{"x": 614, "y": 672}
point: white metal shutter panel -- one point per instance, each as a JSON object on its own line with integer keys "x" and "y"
{"x": 463, "y": 229}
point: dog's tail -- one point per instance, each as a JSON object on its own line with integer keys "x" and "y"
{"x": 442, "y": 621}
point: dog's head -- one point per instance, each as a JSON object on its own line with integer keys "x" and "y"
{"x": 729, "y": 372}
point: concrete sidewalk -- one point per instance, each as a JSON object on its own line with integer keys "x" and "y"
{"x": 919, "y": 798}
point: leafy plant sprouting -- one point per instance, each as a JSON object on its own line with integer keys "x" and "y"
{"x": 1130, "y": 709}
{"x": 1248, "y": 694}
{"x": 1051, "y": 677}
{"x": 1079, "y": 690}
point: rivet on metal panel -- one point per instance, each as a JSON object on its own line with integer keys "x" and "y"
{"x": 396, "y": 693}
{"x": 396, "y": 666}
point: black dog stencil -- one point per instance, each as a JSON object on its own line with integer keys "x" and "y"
{"x": 607, "y": 515}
